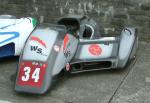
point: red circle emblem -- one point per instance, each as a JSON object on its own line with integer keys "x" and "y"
{"x": 95, "y": 49}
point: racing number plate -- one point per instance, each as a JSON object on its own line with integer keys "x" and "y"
{"x": 31, "y": 74}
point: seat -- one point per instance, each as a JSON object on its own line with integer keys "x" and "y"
{"x": 88, "y": 32}
{"x": 72, "y": 25}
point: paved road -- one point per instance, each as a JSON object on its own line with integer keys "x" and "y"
{"x": 131, "y": 85}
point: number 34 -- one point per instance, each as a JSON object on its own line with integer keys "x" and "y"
{"x": 35, "y": 74}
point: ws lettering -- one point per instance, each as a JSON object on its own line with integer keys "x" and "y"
{"x": 36, "y": 49}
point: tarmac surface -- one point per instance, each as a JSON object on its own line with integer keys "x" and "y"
{"x": 131, "y": 85}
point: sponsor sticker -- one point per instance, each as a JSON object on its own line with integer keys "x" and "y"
{"x": 34, "y": 38}
{"x": 31, "y": 74}
{"x": 37, "y": 48}
{"x": 66, "y": 41}
{"x": 95, "y": 50}
{"x": 56, "y": 48}
{"x": 67, "y": 67}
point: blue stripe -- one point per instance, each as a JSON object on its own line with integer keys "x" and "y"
{"x": 15, "y": 35}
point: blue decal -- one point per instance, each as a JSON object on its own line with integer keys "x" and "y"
{"x": 14, "y": 35}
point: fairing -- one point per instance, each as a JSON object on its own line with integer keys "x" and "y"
{"x": 117, "y": 50}
{"x": 47, "y": 44}
{"x": 13, "y": 34}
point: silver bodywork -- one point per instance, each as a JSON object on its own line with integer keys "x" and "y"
{"x": 81, "y": 53}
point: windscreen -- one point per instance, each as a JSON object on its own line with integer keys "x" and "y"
{"x": 40, "y": 43}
